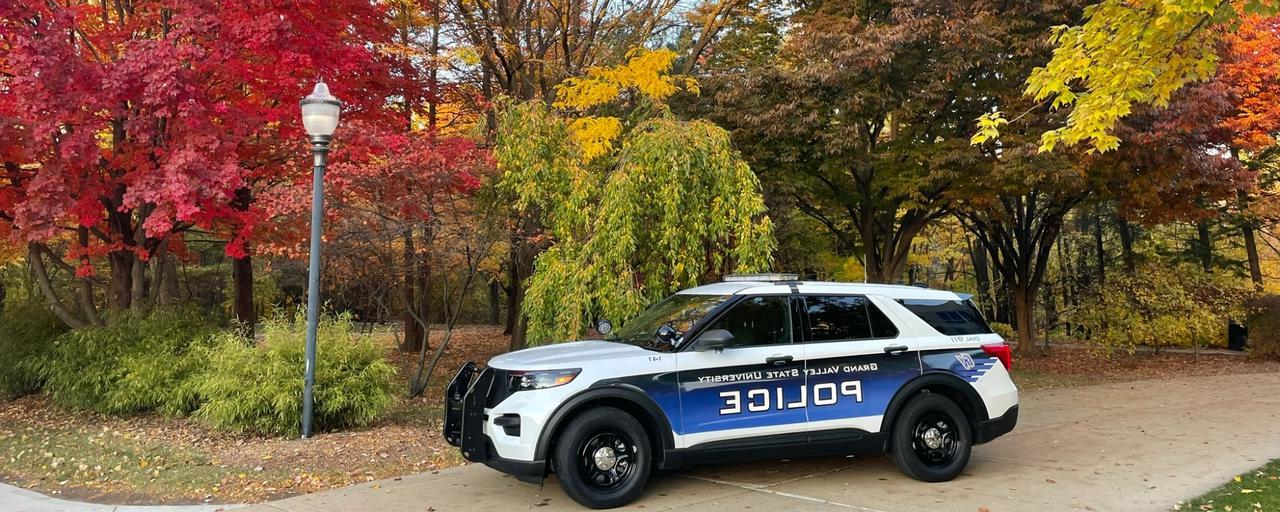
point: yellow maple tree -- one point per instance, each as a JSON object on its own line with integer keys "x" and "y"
{"x": 646, "y": 73}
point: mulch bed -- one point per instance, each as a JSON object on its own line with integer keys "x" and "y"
{"x": 1061, "y": 367}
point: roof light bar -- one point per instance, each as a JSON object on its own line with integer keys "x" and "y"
{"x": 767, "y": 278}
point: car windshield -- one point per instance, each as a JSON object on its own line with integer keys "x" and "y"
{"x": 678, "y": 311}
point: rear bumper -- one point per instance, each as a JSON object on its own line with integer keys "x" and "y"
{"x": 996, "y": 427}
{"x": 466, "y": 399}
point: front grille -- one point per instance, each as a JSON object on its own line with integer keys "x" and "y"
{"x": 501, "y": 387}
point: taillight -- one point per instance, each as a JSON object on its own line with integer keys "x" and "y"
{"x": 1002, "y": 352}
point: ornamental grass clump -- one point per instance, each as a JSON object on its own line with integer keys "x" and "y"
{"x": 258, "y": 388}
{"x": 27, "y": 331}
{"x": 130, "y": 365}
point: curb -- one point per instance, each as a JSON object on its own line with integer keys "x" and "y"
{"x": 22, "y": 500}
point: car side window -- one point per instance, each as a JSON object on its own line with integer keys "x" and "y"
{"x": 949, "y": 317}
{"x": 881, "y": 325}
{"x": 757, "y": 321}
{"x": 846, "y": 317}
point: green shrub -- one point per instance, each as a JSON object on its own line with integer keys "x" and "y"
{"x": 1161, "y": 307}
{"x": 27, "y": 332}
{"x": 1264, "y": 327}
{"x": 259, "y": 388}
{"x": 132, "y": 364}
{"x": 1004, "y": 330}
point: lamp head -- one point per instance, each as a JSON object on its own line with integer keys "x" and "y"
{"x": 320, "y": 112}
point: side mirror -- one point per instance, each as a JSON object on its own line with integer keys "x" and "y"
{"x": 604, "y": 327}
{"x": 666, "y": 335}
{"x": 715, "y": 339}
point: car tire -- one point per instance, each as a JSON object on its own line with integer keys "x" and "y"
{"x": 602, "y": 458}
{"x": 932, "y": 439}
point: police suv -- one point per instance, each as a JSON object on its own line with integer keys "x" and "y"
{"x": 759, "y": 366}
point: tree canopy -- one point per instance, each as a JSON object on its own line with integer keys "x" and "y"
{"x": 637, "y": 206}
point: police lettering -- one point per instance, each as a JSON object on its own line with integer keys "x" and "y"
{"x": 765, "y": 399}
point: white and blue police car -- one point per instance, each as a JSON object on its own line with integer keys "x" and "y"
{"x": 758, "y": 366}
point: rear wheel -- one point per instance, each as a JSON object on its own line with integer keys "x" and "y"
{"x": 931, "y": 439}
{"x": 602, "y": 458}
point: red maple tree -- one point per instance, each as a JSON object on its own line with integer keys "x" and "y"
{"x": 127, "y": 123}
{"x": 1251, "y": 73}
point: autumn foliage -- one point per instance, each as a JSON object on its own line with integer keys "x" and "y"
{"x": 1251, "y": 72}
{"x": 127, "y": 124}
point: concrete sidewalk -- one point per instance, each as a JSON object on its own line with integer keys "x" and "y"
{"x": 1124, "y": 447}
{"x": 17, "y": 499}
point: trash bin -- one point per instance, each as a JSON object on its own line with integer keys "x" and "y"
{"x": 1237, "y": 335}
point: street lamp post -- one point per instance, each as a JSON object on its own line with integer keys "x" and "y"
{"x": 320, "y": 118}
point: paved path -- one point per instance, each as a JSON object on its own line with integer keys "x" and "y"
{"x": 17, "y": 499}
{"x": 1124, "y": 447}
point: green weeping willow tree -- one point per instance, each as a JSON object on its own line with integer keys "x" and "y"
{"x": 635, "y": 206}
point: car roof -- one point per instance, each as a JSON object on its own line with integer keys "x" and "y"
{"x": 893, "y": 291}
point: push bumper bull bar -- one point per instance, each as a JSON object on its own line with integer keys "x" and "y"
{"x": 466, "y": 398}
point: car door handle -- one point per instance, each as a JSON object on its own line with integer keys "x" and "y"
{"x": 778, "y": 360}
{"x": 894, "y": 350}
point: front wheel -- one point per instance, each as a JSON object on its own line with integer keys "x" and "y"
{"x": 602, "y": 458}
{"x": 931, "y": 439}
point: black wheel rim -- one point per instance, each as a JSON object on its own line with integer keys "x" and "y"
{"x": 607, "y": 460}
{"x": 936, "y": 439}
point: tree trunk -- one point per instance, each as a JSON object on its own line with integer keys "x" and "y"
{"x": 1050, "y": 310}
{"x": 520, "y": 265}
{"x": 412, "y": 329}
{"x": 1126, "y": 245}
{"x": 1000, "y": 290}
{"x": 495, "y": 298}
{"x": 1067, "y": 282}
{"x": 1251, "y": 250}
{"x": 170, "y": 293}
{"x": 85, "y": 286}
{"x": 242, "y": 289}
{"x": 424, "y": 278}
{"x": 138, "y": 288}
{"x": 1204, "y": 246}
{"x": 513, "y": 287}
{"x": 983, "y": 279}
{"x": 433, "y": 88}
{"x": 138, "y": 302}
{"x": 46, "y": 288}
{"x": 242, "y": 276}
{"x": 873, "y": 270}
{"x": 1084, "y": 274}
{"x": 1100, "y": 249}
{"x": 1023, "y": 302}
{"x": 120, "y": 287}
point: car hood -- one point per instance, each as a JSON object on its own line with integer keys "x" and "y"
{"x": 564, "y": 355}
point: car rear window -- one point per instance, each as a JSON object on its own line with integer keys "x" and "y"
{"x": 949, "y": 317}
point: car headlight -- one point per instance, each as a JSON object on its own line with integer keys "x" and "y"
{"x": 542, "y": 379}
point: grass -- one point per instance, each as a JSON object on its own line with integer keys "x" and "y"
{"x": 1256, "y": 490}
{"x": 107, "y": 462}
